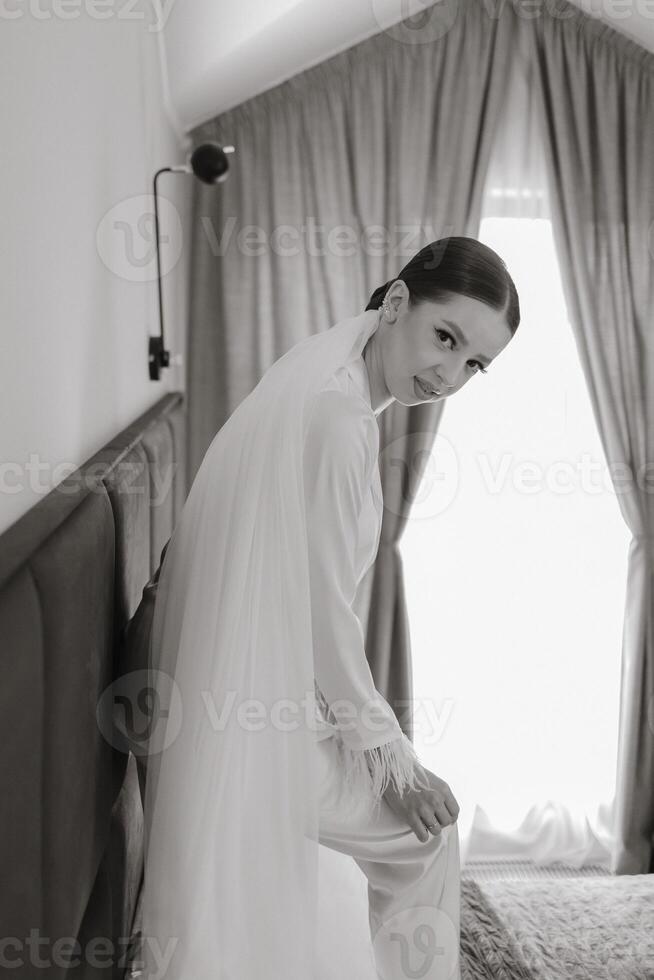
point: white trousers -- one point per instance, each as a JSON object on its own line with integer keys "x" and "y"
{"x": 413, "y": 887}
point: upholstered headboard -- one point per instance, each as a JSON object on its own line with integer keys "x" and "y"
{"x": 72, "y": 573}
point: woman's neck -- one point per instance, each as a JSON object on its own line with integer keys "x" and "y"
{"x": 380, "y": 396}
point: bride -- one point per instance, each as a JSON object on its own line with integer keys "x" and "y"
{"x": 269, "y": 737}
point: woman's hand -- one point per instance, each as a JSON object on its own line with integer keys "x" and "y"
{"x": 426, "y": 810}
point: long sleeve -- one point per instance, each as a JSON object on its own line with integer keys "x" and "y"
{"x": 339, "y": 454}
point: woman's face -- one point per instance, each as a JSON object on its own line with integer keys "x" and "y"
{"x": 437, "y": 346}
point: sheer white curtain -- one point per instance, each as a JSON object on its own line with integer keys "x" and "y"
{"x": 515, "y": 562}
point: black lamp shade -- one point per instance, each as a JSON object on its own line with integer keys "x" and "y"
{"x": 209, "y": 163}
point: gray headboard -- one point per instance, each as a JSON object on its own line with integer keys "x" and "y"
{"x": 72, "y": 573}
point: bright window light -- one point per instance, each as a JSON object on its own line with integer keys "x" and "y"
{"x": 515, "y": 562}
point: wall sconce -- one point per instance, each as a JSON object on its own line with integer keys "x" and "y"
{"x": 209, "y": 163}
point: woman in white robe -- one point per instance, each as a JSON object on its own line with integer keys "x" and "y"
{"x": 412, "y": 872}
{"x": 270, "y": 736}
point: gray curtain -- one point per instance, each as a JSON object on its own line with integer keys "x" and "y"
{"x": 340, "y": 175}
{"x": 595, "y": 91}
{"x": 407, "y": 437}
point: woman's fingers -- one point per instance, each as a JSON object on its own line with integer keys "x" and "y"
{"x": 425, "y": 832}
{"x": 451, "y": 803}
{"x": 443, "y": 800}
{"x": 439, "y": 791}
{"x": 433, "y": 826}
{"x": 428, "y": 809}
{"x": 430, "y": 819}
{"x": 443, "y": 815}
{"x": 435, "y": 815}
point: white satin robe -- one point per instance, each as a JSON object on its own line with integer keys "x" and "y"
{"x": 413, "y": 887}
{"x": 344, "y": 507}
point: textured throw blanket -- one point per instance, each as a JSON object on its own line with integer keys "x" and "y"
{"x": 597, "y": 928}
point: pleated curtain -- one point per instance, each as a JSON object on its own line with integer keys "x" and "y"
{"x": 340, "y": 175}
{"x": 346, "y": 170}
{"x": 594, "y": 92}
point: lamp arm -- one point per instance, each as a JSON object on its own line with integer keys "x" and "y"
{"x": 163, "y": 170}
{"x": 158, "y": 356}
{"x": 208, "y": 163}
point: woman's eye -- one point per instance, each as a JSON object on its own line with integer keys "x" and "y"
{"x": 480, "y": 369}
{"x": 446, "y": 334}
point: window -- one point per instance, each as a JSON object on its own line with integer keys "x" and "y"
{"x": 515, "y": 560}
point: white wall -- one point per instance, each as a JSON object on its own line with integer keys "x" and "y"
{"x": 83, "y": 129}
{"x": 221, "y": 53}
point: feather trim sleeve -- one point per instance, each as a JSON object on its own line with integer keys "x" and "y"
{"x": 368, "y": 772}
{"x": 373, "y": 770}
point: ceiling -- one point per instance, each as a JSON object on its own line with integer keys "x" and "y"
{"x": 217, "y": 54}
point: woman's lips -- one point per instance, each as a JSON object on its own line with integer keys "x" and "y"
{"x": 422, "y": 392}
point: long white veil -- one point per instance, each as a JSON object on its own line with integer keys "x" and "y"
{"x": 231, "y": 802}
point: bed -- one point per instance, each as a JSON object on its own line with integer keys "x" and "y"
{"x": 72, "y": 574}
